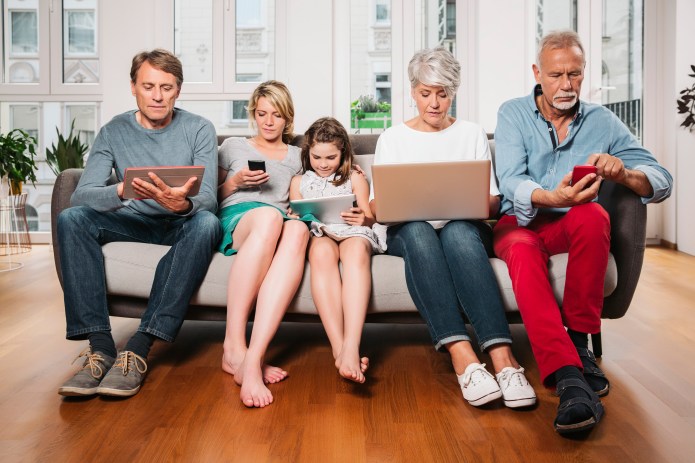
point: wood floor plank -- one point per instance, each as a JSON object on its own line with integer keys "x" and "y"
{"x": 410, "y": 408}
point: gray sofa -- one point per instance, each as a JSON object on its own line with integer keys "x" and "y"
{"x": 130, "y": 266}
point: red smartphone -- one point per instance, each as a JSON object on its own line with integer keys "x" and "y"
{"x": 580, "y": 172}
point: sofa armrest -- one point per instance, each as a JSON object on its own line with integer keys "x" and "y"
{"x": 628, "y": 239}
{"x": 63, "y": 188}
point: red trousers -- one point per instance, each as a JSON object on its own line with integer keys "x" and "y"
{"x": 583, "y": 232}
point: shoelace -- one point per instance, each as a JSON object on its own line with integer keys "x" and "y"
{"x": 468, "y": 378}
{"x": 515, "y": 375}
{"x": 92, "y": 362}
{"x": 128, "y": 360}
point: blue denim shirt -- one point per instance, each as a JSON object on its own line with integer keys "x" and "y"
{"x": 526, "y": 158}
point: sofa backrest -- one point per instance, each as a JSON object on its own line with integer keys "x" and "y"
{"x": 364, "y": 146}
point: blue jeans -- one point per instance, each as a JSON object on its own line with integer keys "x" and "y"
{"x": 81, "y": 233}
{"x": 447, "y": 271}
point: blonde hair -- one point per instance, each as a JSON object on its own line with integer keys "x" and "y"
{"x": 435, "y": 67}
{"x": 279, "y": 97}
{"x": 559, "y": 40}
{"x": 329, "y": 130}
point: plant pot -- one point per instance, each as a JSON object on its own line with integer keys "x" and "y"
{"x": 375, "y": 121}
{"x": 15, "y": 187}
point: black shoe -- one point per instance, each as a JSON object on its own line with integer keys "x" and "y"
{"x": 579, "y": 405}
{"x": 592, "y": 373}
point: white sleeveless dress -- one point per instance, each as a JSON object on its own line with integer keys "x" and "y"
{"x": 314, "y": 186}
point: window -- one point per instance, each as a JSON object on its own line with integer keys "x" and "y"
{"x": 370, "y": 64}
{"x": 193, "y": 42}
{"x": 80, "y": 48}
{"x": 25, "y": 37}
{"x": 383, "y": 11}
{"x": 81, "y": 36}
{"x": 226, "y": 47}
{"x": 382, "y": 85}
{"x": 622, "y": 51}
{"x": 555, "y": 14}
{"x": 85, "y": 119}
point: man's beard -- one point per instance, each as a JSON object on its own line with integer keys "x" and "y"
{"x": 564, "y": 106}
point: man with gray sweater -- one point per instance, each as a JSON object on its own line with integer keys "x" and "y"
{"x": 155, "y": 134}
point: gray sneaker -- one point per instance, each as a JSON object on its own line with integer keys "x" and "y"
{"x": 125, "y": 377}
{"x": 86, "y": 381}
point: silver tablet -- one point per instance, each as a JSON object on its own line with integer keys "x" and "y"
{"x": 173, "y": 176}
{"x": 326, "y": 209}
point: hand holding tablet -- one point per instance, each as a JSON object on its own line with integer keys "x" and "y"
{"x": 326, "y": 209}
{"x": 173, "y": 176}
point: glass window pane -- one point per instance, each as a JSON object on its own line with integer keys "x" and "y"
{"x": 555, "y": 14}
{"x": 193, "y": 38}
{"x": 25, "y": 117}
{"x": 85, "y": 121}
{"x": 229, "y": 116}
{"x": 439, "y": 29}
{"x": 370, "y": 65}
{"x": 81, "y": 32}
{"x": 622, "y": 52}
{"x": 25, "y": 37}
{"x": 21, "y": 39}
{"x": 255, "y": 40}
{"x": 80, "y": 55}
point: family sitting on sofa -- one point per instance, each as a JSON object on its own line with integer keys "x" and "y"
{"x": 540, "y": 138}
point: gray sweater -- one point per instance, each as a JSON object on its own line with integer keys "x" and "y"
{"x": 188, "y": 140}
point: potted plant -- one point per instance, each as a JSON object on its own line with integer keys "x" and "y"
{"x": 367, "y": 113}
{"x": 68, "y": 154}
{"x": 17, "y": 152}
{"x": 686, "y": 104}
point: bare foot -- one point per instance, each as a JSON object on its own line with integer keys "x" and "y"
{"x": 253, "y": 391}
{"x": 231, "y": 362}
{"x": 351, "y": 367}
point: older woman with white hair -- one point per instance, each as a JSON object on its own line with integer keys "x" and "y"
{"x": 446, "y": 263}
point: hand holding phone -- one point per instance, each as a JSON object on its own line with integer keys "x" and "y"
{"x": 580, "y": 172}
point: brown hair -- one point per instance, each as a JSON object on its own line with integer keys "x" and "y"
{"x": 160, "y": 59}
{"x": 329, "y": 130}
{"x": 279, "y": 97}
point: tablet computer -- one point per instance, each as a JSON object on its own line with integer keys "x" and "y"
{"x": 173, "y": 176}
{"x": 326, "y": 209}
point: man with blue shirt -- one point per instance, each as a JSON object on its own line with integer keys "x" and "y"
{"x": 156, "y": 134}
{"x": 539, "y": 139}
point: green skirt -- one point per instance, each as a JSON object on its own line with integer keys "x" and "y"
{"x": 230, "y": 217}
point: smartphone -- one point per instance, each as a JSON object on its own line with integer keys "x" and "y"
{"x": 257, "y": 165}
{"x": 580, "y": 172}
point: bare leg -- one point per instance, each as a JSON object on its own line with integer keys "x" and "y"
{"x": 275, "y": 294}
{"x": 502, "y": 357}
{"x": 356, "y": 255}
{"x": 462, "y": 355}
{"x": 255, "y": 238}
{"x": 326, "y": 288}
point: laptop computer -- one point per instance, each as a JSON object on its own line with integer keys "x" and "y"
{"x": 444, "y": 190}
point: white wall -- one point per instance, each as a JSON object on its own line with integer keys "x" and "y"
{"x": 684, "y": 140}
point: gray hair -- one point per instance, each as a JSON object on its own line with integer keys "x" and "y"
{"x": 435, "y": 67}
{"x": 559, "y": 40}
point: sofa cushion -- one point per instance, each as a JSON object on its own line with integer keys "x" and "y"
{"x": 130, "y": 271}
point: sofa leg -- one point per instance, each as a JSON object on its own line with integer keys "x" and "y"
{"x": 596, "y": 344}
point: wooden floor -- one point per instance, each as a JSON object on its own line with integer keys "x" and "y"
{"x": 410, "y": 409}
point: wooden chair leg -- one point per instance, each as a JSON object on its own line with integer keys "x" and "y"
{"x": 596, "y": 344}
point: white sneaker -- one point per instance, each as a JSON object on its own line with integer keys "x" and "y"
{"x": 479, "y": 387}
{"x": 516, "y": 390}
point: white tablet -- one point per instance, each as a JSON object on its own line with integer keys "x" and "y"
{"x": 326, "y": 209}
{"x": 171, "y": 175}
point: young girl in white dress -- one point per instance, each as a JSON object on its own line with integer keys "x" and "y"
{"x": 341, "y": 300}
